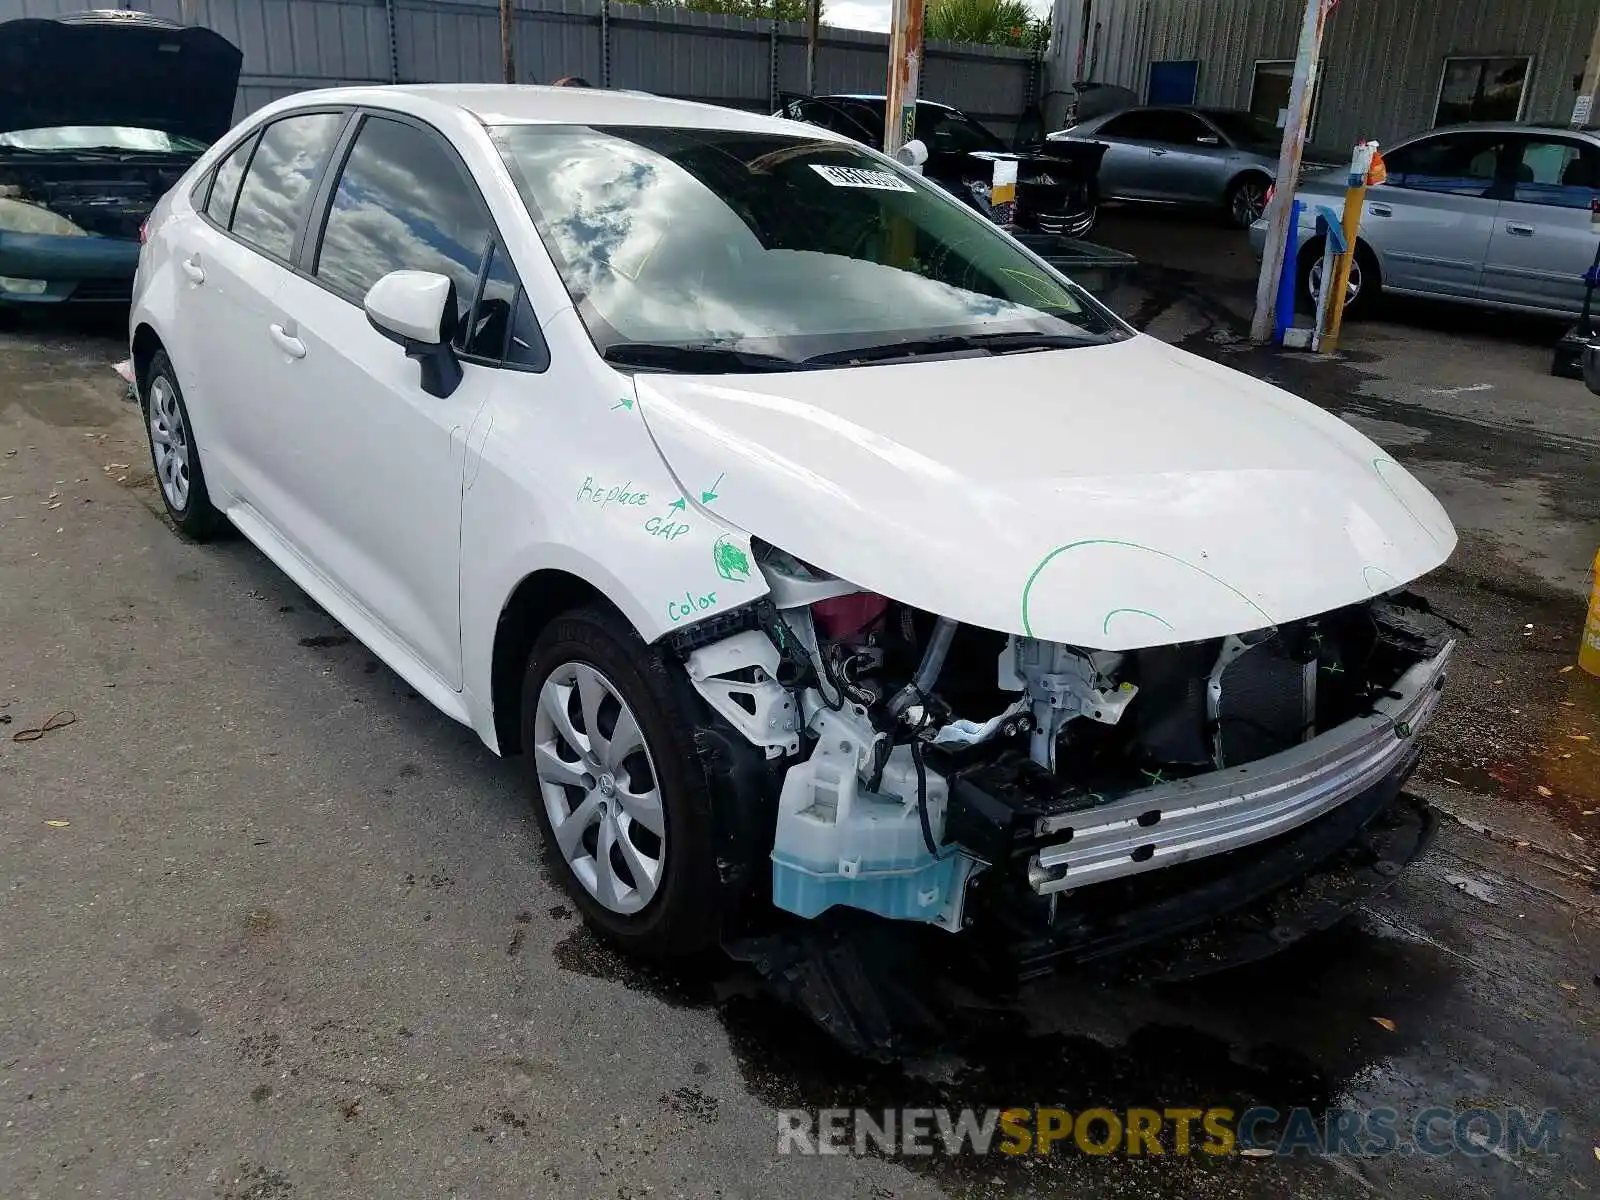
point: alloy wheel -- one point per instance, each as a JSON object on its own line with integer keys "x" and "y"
{"x": 1249, "y": 202}
{"x": 169, "y": 438}
{"x": 599, "y": 787}
{"x": 1352, "y": 285}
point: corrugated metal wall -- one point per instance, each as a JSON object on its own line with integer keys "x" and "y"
{"x": 292, "y": 45}
{"x": 1382, "y": 59}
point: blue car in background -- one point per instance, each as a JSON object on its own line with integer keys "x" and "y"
{"x": 100, "y": 114}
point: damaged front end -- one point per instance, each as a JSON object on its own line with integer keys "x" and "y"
{"x": 1061, "y": 801}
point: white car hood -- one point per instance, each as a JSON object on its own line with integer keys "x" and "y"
{"x": 1112, "y": 497}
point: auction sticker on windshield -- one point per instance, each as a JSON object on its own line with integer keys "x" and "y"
{"x": 860, "y": 177}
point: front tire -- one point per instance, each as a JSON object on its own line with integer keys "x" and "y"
{"x": 174, "y": 454}
{"x": 1361, "y": 292}
{"x": 617, "y": 787}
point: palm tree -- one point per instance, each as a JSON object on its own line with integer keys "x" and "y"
{"x": 990, "y": 22}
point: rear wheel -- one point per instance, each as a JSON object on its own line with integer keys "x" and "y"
{"x": 174, "y": 454}
{"x": 1246, "y": 200}
{"x": 617, "y": 787}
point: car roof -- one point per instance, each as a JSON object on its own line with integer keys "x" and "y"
{"x": 525, "y": 104}
{"x": 1505, "y": 127}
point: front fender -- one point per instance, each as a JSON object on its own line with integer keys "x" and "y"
{"x": 561, "y": 474}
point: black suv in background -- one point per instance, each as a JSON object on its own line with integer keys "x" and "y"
{"x": 1057, "y": 191}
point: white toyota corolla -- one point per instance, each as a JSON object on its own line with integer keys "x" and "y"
{"x": 815, "y": 543}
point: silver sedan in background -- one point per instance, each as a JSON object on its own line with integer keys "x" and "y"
{"x": 1211, "y": 157}
{"x": 1495, "y": 214}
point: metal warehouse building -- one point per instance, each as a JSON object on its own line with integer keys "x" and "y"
{"x": 1388, "y": 68}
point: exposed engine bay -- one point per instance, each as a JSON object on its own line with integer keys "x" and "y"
{"x": 928, "y": 765}
{"x": 104, "y": 195}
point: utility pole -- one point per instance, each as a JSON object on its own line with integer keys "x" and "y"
{"x": 905, "y": 62}
{"x": 508, "y": 37}
{"x": 1294, "y": 131}
{"x": 1584, "y": 108}
{"x": 813, "y": 20}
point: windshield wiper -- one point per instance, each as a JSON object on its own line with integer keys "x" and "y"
{"x": 955, "y": 343}
{"x": 695, "y": 359}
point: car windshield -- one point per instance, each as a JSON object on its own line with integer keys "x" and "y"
{"x": 100, "y": 137}
{"x": 1246, "y": 129}
{"x": 778, "y": 246}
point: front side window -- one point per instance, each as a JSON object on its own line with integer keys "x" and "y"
{"x": 779, "y": 245}
{"x": 282, "y": 179}
{"x": 1481, "y": 89}
{"x": 1557, "y": 172}
{"x": 483, "y": 335}
{"x": 402, "y": 204}
{"x": 1457, "y": 164}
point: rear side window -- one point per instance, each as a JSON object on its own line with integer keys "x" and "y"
{"x": 402, "y": 204}
{"x": 282, "y": 179}
{"x": 225, "y": 188}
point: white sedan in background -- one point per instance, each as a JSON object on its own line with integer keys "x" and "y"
{"x": 815, "y": 543}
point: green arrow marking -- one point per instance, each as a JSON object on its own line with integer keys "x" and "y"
{"x": 626, "y": 402}
{"x": 710, "y": 494}
{"x": 677, "y": 505}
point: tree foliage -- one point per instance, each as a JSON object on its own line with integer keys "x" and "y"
{"x": 989, "y": 22}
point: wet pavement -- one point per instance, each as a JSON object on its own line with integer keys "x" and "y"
{"x": 289, "y": 936}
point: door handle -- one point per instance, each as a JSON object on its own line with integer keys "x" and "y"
{"x": 1381, "y": 210}
{"x": 287, "y": 342}
{"x": 1518, "y": 229}
{"x": 1157, "y": 152}
{"x": 193, "y": 269}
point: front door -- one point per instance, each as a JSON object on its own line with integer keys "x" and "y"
{"x": 370, "y": 464}
{"x": 1545, "y": 234}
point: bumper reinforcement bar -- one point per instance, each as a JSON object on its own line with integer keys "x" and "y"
{"x": 1187, "y": 819}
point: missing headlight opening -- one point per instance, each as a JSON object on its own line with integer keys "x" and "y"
{"x": 941, "y": 773}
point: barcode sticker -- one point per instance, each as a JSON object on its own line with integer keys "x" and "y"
{"x": 861, "y": 177}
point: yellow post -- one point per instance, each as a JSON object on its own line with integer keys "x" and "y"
{"x": 1355, "y": 195}
{"x": 1589, "y": 647}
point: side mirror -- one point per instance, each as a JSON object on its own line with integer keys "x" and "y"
{"x": 1591, "y": 367}
{"x": 913, "y": 154}
{"x": 417, "y": 311}
{"x": 1208, "y": 139}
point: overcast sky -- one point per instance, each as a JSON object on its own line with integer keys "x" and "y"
{"x": 874, "y": 14}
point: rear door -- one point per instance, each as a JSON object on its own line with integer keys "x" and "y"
{"x": 1544, "y": 234}
{"x": 1431, "y": 221}
{"x": 235, "y": 259}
